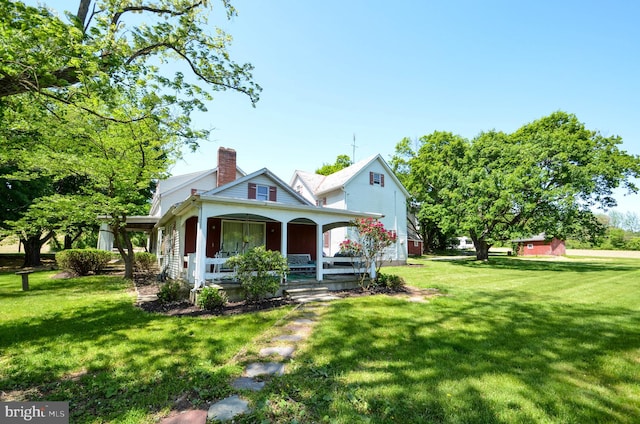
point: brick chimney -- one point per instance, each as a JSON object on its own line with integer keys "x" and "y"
{"x": 226, "y": 166}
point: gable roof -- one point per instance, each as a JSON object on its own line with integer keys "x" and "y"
{"x": 262, "y": 172}
{"x": 177, "y": 182}
{"x": 320, "y": 184}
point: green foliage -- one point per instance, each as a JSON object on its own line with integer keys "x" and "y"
{"x": 121, "y": 44}
{"x": 633, "y": 244}
{"x": 342, "y": 161}
{"x": 391, "y": 281}
{"x": 83, "y": 261}
{"x": 372, "y": 241}
{"x": 544, "y": 177}
{"x": 170, "y": 291}
{"x": 259, "y": 271}
{"x": 211, "y": 298}
{"x": 145, "y": 261}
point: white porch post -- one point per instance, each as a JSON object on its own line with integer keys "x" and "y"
{"x": 319, "y": 245}
{"x": 283, "y": 243}
{"x": 201, "y": 248}
{"x": 283, "y": 239}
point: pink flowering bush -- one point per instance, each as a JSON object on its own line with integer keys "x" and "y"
{"x": 373, "y": 239}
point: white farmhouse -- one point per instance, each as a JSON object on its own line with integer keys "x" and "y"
{"x": 367, "y": 186}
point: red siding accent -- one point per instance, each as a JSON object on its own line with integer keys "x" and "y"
{"x": 190, "y": 231}
{"x": 252, "y": 191}
{"x": 302, "y": 239}
{"x": 414, "y": 247}
{"x": 273, "y": 236}
{"x": 214, "y": 227}
{"x": 273, "y": 193}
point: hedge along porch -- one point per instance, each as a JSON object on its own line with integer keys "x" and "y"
{"x": 209, "y": 227}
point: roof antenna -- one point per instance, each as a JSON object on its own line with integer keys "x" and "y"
{"x": 353, "y": 156}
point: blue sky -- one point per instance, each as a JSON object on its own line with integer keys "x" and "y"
{"x": 386, "y": 70}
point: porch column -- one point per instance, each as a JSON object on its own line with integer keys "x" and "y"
{"x": 283, "y": 238}
{"x": 201, "y": 248}
{"x": 319, "y": 245}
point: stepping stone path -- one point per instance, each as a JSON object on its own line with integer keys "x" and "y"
{"x": 282, "y": 346}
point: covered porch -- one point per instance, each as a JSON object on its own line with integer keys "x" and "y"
{"x": 196, "y": 244}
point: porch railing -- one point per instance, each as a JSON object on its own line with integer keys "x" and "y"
{"x": 215, "y": 269}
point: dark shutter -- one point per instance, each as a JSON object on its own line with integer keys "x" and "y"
{"x": 273, "y": 193}
{"x": 370, "y": 178}
{"x": 252, "y": 190}
{"x": 381, "y": 180}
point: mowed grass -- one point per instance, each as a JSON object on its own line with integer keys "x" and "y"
{"x": 82, "y": 340}
{"x": 513, "y": 341}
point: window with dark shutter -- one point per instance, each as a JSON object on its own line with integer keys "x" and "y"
{"x": 376, "y": 179}
{"x": 273, "y": 193}
{"x": 252, "y": 191}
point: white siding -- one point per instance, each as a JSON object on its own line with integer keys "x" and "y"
{"x": 388, "y": 200}
{"x": 299, "y": 187}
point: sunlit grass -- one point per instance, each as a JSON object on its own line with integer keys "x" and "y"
{"x": 512, "y": 341}
{"x": 82, "y": 340}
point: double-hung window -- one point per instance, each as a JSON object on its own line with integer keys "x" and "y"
{"x": 262, "y": 192}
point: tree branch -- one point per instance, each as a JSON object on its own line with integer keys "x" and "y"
{"x": 117, "y": 15}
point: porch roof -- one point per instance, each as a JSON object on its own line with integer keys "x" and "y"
{"x": 305, "y": 210}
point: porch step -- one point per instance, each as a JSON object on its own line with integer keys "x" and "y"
{"x": 306, "y": 292}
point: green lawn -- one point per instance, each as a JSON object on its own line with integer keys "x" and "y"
{"x": 512, "y": 341}
{"x": 82, "y": 340}
{"x": 515, "y": 341}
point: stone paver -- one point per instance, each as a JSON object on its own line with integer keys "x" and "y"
{"x": 264, "y": 368}
{"x": 284, "y": 351}
{"x": 303, "y": 321}
{"x": 246, "y": 383}
{"x": 228, "y": 408}
{"x": 288, "y": 338}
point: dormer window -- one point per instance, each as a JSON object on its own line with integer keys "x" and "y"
{"x": 376, "y": 178}
{"x": 262, "y": 192}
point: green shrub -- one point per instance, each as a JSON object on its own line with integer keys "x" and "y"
{"x": 259, "y": 271}
{"x": 391, "y": 281}
{"x": 210, "y": 298}
{"x": 169, "y": 292}
{"x": 83, "y": 261}
{"x": 145, "y": 261}
{"x": 634, "y": 244}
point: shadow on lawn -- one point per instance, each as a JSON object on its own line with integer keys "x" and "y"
{"x": 497, "y": 359}
{"x": 113, "y": 361}
{"x": 546, "y": 265}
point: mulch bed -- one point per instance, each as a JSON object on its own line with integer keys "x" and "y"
{"x": 185, "y": 308}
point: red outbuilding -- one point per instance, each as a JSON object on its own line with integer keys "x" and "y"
{"x": 540, "y": 245}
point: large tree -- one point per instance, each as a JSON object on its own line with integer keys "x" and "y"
{"x": 548, "y": 176}
{"x": 428, "y": 180}
{"x": 110, "y": 46}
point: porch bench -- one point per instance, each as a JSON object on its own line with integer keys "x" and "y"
{"x": 300, "y": 262}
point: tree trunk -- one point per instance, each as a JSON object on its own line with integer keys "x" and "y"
{"x": 68, "y": 242}
{"x": 32, "y": 246}
{"x": 482, "y": 249}
{"x": 125, "y": 247}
